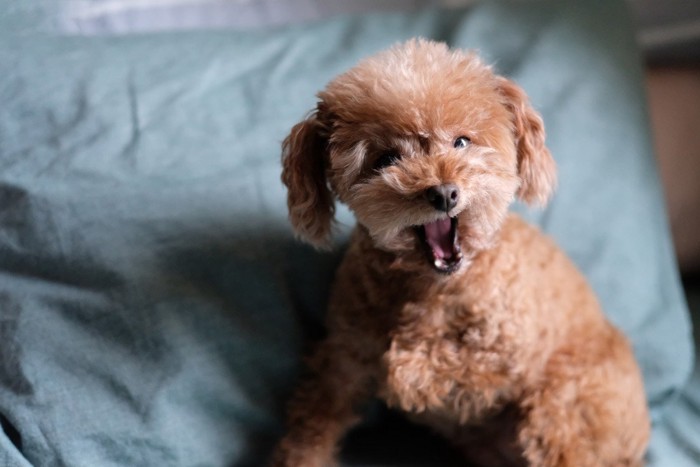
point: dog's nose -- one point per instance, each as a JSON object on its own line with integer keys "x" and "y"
{"x": 443, "y": 197}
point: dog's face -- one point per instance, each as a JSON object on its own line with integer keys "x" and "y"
{"x": 426, "y": 146}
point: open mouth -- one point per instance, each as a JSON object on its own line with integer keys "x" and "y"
{"x": 441, "y": 243}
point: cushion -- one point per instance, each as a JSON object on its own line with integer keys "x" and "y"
{"x": 153, "y": 300}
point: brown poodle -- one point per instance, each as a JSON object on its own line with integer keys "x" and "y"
{"x": 446, "y": 306}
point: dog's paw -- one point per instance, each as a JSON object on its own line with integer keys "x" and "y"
{"x": 297, "y": 456}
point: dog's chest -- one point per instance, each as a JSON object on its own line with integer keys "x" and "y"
{"x": 448, "y": 355}
{"x": 452, "y": 323}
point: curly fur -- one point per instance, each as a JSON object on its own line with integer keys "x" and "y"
{"x": 509, "y": 355}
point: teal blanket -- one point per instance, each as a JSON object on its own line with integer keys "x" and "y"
{"x": 153, "y": 301}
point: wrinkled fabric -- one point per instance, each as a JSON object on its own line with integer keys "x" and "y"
{"x": 153, "y": 300}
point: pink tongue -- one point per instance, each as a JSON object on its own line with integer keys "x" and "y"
{"x": 437, "y": 234}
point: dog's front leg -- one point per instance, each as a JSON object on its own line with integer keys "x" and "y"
{"x": 325, "y": 404}
{"x": 580, "y": 416}
{"x": 417, "y": 378}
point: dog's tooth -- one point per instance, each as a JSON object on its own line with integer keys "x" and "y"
{"x": 438, "y": 263}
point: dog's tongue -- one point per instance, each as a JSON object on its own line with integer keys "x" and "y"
{"x": 439, "y": 238}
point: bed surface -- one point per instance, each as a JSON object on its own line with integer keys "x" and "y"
{"x": 153, "y": 301}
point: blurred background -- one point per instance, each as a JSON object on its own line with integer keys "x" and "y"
{"x": 668, "y": 35}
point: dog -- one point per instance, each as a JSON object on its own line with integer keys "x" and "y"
{"x": 446, "y": 306}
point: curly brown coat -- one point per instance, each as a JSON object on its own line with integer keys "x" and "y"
{"x": 446, "y": 306}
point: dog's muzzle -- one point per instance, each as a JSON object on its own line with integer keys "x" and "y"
{"x": 440, "y": 238}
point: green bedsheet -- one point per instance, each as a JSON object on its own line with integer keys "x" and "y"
{"x": 153, "y": 301}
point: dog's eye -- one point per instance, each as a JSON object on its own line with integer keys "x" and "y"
{"x": 386, "y": 159}
{"x": 462, "y": 142}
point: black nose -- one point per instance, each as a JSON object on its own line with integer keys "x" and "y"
{"x": 443, "y": 197}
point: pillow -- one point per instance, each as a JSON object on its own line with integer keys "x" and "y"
{"x": 153, "y": 301}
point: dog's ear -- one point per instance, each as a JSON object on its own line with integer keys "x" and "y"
{"x": 309, "y": 199}
{"x": 536, "y": 167}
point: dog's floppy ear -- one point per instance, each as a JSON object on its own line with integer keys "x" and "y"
{"x": 310, "y": 201}
{"x": 536, "y": 167}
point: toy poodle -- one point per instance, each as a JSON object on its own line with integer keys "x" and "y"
{"x": 446, "y": 306}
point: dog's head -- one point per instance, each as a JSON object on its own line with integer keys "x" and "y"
{"x": 428, "y": 148}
